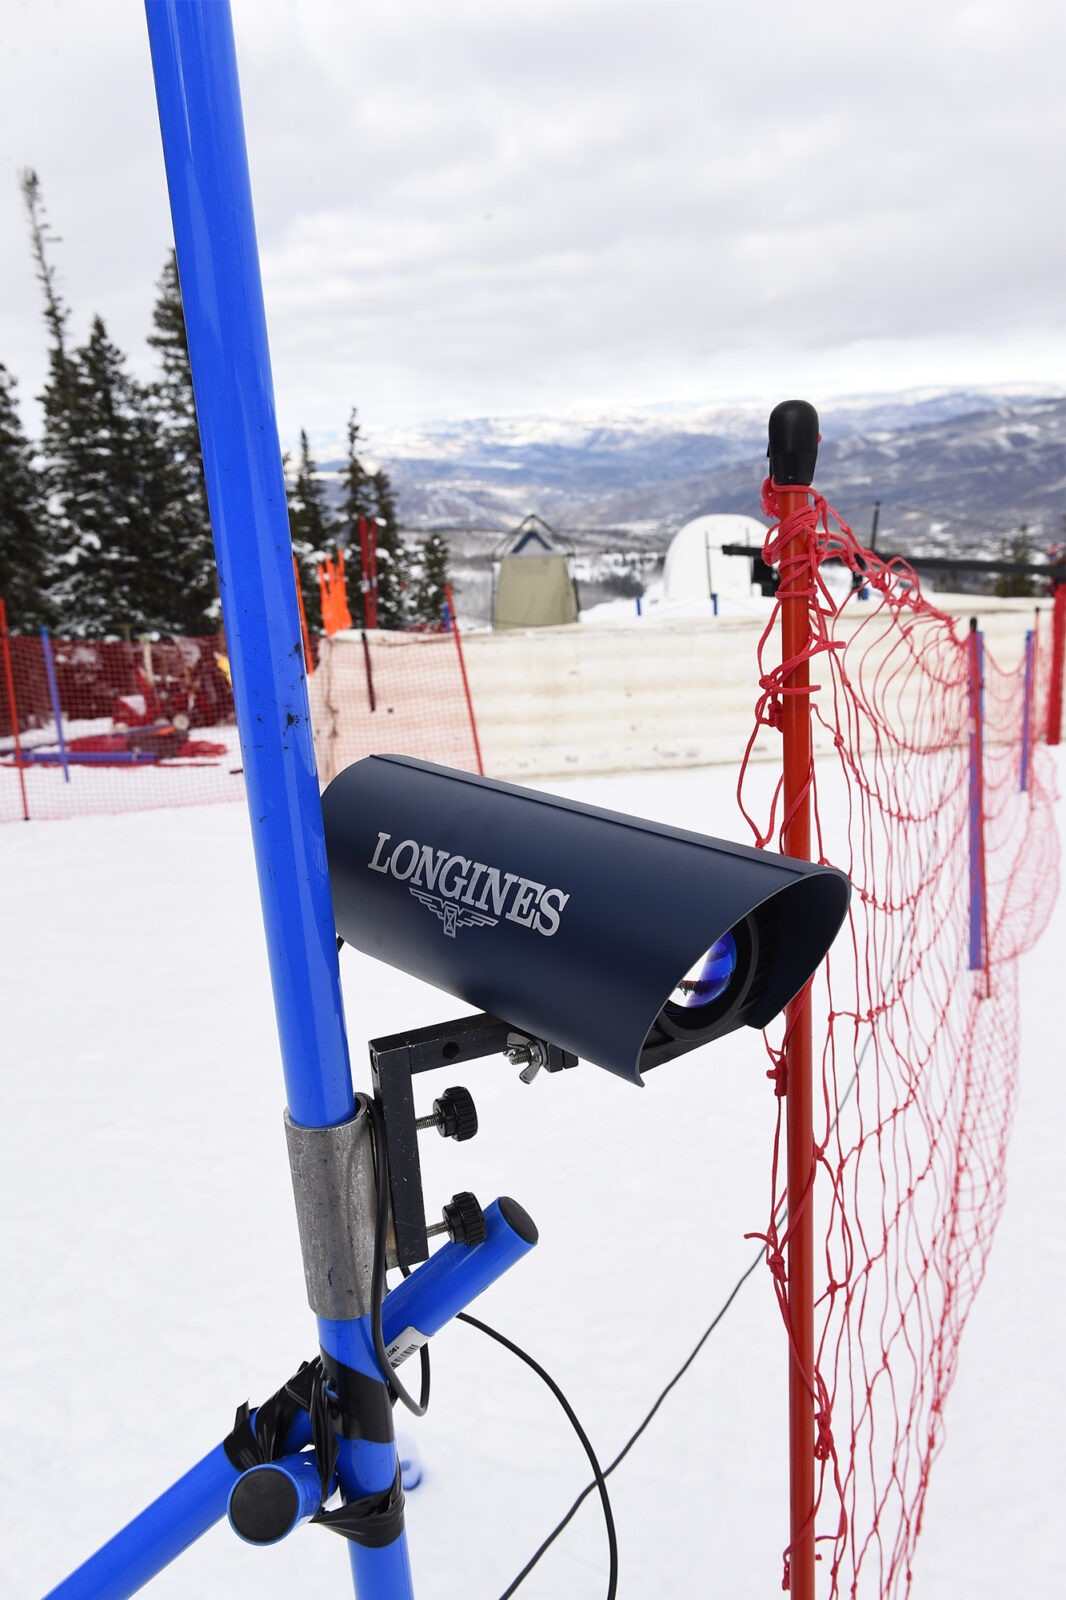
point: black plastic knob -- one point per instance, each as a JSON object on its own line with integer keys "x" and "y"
{"x": 793, "y": 447}
{"x": 456, "y": 1114}
{"x": 465, "y": 1219}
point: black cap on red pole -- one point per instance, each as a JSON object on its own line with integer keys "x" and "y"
{"x": 793, "y": 447}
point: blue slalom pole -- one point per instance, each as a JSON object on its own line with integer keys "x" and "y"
{"x": 53, "y": 690}
{"x": 195, "y": 65}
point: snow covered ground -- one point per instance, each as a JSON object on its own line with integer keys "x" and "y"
{"x": 152, "y": 1278}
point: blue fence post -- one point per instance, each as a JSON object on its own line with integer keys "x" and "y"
{"x": 1027, "y": 711}
{"x": 978, "y": 951}
{"x": 53, "y": 690}
{"x": 195, "y": 66}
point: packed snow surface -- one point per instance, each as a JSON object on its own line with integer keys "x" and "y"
{"x": 152, "y": 1275}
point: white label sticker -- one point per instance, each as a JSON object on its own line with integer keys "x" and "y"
{"x": 405, "y": 1344}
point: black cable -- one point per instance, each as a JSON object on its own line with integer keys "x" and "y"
{"x": 599, "y": 1476}
{"x": 420, "y": 1406}
{"x": 599, "y": 1479}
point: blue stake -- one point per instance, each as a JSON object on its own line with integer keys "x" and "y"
{"x": 195, "y": 65}
{"x": 53, "y": 690}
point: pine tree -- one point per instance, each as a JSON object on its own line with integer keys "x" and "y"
{"x": 56, "y": 314}
{"x": 23, "y": 522}
{"x": 171, "y": 402}
{"x": 1017, "y": 550}
{"x": 57, "y": 395}
{"x": 357, "y": 501}
{"x": 312, "y": 529}
{"x": 122, "y": 567}
{"x": 394, "y": 610}
{"x": 429, "y": 580}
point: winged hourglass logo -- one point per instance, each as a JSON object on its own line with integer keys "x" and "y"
{"x": 454, "y": 916}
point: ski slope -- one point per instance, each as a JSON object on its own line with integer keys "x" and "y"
{"x": 152, "y": 1277}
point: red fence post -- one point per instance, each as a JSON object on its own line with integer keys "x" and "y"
{"x": 1058, "y": 652}
{"x": 13, "y": 709}
{"x": 793, "y": 453}
{"x": 462, "y": 671}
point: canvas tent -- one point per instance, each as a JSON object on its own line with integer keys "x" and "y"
{"x": 533, "y": 580}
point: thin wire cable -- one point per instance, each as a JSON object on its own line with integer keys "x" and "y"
{"x": 599, "y": 1476}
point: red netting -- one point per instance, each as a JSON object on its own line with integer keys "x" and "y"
{"x": 916, "y": 1033}
{"x": 129, "y": 726}
{"x": 115, "y": 726}
{"x": 397, "y": 693}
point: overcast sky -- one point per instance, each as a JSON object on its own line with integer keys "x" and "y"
{"x": 479, "y": 208}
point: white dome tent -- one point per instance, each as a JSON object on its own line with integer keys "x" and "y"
{"x": 696, "y": 569}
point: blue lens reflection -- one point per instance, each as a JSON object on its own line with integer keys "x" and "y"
{"x": 709, "y": 976}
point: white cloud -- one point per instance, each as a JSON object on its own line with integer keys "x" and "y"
{"x": 482, "y": 208}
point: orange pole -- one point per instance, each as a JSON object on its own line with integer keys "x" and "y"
{"x": 13, "y": 709}
{"x": 309, "y": 664}
{"x": 793, "y": 452}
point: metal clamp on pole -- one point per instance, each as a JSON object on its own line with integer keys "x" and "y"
{"x": 334, "y": 1189}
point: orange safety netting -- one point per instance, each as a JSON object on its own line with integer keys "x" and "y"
{"x": 915, "y": 1015}
{"x": 393, "y": 693}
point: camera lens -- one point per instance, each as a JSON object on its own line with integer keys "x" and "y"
{"x": 707, "y": 978}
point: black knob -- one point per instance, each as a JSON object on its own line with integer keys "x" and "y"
{"x": 465, "y": 1219}
{"x": 455, "y": 1114}
{"x": 793, "y": 447}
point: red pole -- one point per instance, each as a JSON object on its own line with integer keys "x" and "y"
{"x": 13, "y": 709}
{"x": 462, "y": 670}
{"x": 1058, "y": 652}
{"x": 368, "y": 543}
{"x": 793, "y": 452}
{"x": 372, "y": 540}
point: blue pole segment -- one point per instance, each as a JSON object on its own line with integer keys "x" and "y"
{"x": 1027, "y": 711}
{"x": 445, "y": 1284}
{"x": 418, "y": 1307}
{"x": 180, "y": 1516}
{"x": 53, "y": 690}
{"x": 293, "y": 1486}
{"x": 195, "y": 65}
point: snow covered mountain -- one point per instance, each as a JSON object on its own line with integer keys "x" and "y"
{"x": 952, "y": 469}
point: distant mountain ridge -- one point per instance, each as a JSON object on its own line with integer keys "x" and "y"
{"x": 952, "y": 469}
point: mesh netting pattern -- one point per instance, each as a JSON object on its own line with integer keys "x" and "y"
{"x": 111, "y": 726}
{"x": 117, "y": 726}
{"x": 955, "y": 870}
{"x": 392, "y": 693}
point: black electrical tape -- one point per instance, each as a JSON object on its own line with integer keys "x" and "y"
{"x": 373, "y": 1522}
{"x": 362, "y": 1406}
{"x": 253, "y": 1445}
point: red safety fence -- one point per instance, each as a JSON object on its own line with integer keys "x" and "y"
{"x": 938, "y": 805}
{"x": 401, "y": 693}
{"x": 89, "y": 727}
{"x": 92, "y": 727}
